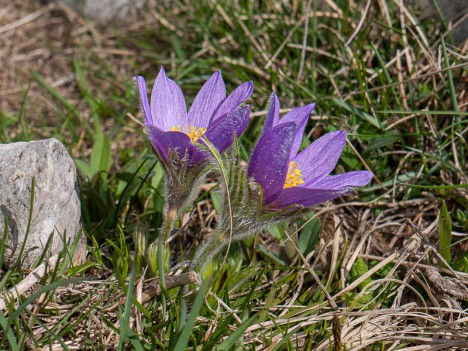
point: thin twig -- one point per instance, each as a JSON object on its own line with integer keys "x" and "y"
{"x": 32, "y": 278}
{"x": 361, "y": 22}
{"x": 428, "y": 244}
{"x": 21, "y": 21}
{"x": 304, "y": 40}
{"x": 311, "y": 271}
{"x": 364, "y": 163}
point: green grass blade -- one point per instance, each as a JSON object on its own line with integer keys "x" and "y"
{"x": 437, "y": 187}
{"x": 3, "y": 242}
{"x": 44, "y": 289}
{"x": 6, "y": 326}
{"x": 231, "y": 341}
{"x": 125, "y": 330}
{"x": 51, "y": 333}
{"x": 24, "y": 126}
{"x": 184, "y": 335}
{"x": 386, "y": 74}
{"x": 453, "y": 94}
{"x": 445, "y": 233}
{"x": 359, "y": 113}
{"x": 52, "y": 91}
{"x": 101, "y": 159}
{"x": 86, "y": 92}
{"x": 432, "y": 113}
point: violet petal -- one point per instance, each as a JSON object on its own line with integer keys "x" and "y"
{"x": 306, "y": 197}
{"x": 206, "y": 102}
{"x": 144, "y": 99}
{"x": 234, "y": 100}
{"x": 345, "y": 180}
{"x": 221, "y": 132}
{"x": 163, "y": 141}
{"x": 319, "y": 158}
{"x": 272, "y": 118}
{"x": 168, "y": 107}
{"x": 300, "y": 116}
{"x": 161, "y": 150}
{"x": 270, "y": 160}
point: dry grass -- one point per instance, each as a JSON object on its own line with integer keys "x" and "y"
{"x": 46, "y": 40}
{"x": 405, "y": 300}
{"x": 435, "y": 321}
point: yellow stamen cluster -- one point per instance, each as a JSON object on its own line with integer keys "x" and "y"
{"x": 191, "y": 131}
{"x": 294, "y": 177}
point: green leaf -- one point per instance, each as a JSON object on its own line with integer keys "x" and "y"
{"x": 101, "y": 156}
{"x": 461, "y": 264}
{"x": 216, "y": 199}
{"x": 358, "y": 269}
{"x": 309, "y": 236}
{"x": 445, "y": 233}
{"x": 277, "y": 230}
{"x": 262, "y": 250}
{"x": 84, "y": 168}
{"x": 158, "y": 175}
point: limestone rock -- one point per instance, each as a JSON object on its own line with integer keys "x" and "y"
{"x": 56, "y": 206}
{"x": 108, "y": 11}
{"x": 128, "y": 11}
{"x": 453, "y": 11}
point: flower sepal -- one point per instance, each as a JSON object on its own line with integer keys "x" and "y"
{"x": 243, "y": 213}
{"x": 183, "y": 180}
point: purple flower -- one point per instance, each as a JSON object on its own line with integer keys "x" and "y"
{"x": 212, "y": 115}
{"x": 288, "y": 177}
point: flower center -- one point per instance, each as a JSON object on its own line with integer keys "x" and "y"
{"x": 191, "y": 131}
{"x": 294, "y": 177}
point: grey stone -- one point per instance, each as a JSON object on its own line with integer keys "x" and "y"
{"x": 452, "y": 11}
{"x": 128, "y": 11}
{"x": 56, "y": 209}
{"x": 108, "y": 11}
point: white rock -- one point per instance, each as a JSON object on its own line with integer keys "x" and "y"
{"x": 453, "y": 11}
{"x": 107, "y": 11}
{"x": 56, "y": 207}
{"x": 128, "y": 11}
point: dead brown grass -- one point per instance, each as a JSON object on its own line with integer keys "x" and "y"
{"x": 44, "y": 39}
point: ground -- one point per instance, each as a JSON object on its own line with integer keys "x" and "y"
{"x": 369, "y": 272}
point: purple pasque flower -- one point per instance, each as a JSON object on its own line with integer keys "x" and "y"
{"x": 212, "y": 115}
{"x": 291, "y": 178}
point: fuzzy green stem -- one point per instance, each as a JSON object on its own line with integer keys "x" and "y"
{"x": 205, "y": 253}
{"x": 166, "y": 229}
{"x": 161, "y": 265}
{"x": 168, "y": 224}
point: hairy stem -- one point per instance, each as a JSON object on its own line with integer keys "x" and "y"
{"x": 168, "y": 224}
{"x": 206, "y": 252}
